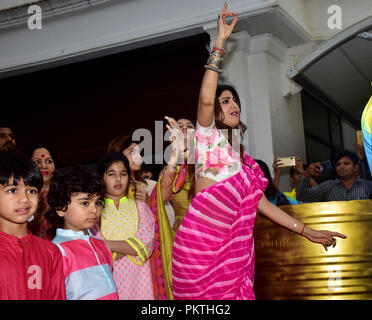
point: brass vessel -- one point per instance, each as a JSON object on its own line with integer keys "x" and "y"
{"x": 289, "y": 266}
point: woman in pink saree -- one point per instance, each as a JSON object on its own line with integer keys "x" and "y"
{"x": 213, "y": 251}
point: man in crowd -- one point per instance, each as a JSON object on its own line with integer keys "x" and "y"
{"x": 7, "y": 139}
{"x": 347, "y": 187}
{"x": 295, "y": 176}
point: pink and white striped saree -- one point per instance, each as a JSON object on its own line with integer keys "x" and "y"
{"x": 213, "y": 251}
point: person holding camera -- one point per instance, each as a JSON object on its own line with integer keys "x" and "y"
{"x": 295, "y": 176}
{"x": 348, "y": 186}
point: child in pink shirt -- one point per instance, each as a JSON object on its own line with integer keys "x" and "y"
{"x": 75, "y": 195}
{"x": 30, "y": 267}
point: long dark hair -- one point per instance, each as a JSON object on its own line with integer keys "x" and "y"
{"x": 107, "y": 160}
{"x": 30, "y": 151}
{"x": 270, "y": 189}
{"x": 43, "y": 210}
{"x": 219, "y": 116}
{"x": 119, "y": 144}
{"x": 186, "y": 118}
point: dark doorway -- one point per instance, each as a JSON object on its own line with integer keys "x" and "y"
{"x": 78, "y": 108}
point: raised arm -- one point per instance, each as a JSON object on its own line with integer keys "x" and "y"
{"x": 308, "y": 190}
{"x": 168, "y": 174}
{"x": 307, "y": 193}
{"x": 209, "y": 84}
{"x": 313, "y": 169}
{"x": 276, "y": 172}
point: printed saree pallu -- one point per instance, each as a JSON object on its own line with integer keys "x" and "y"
{"x": 161, "y": 260}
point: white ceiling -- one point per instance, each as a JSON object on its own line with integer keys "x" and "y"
{"x": 340, "y": 69}
{"x": 275, "y": 22}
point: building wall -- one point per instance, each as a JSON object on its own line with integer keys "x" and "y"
{"x": 286, "y": 119}
{"x": 352, "y": 11}
{"x": 313, "y": 16}
{"x": 89, "y": 27}
{"x": 297, "y": 10}
{"x": 349, "y": 136}
{"x": 7, "y": 4}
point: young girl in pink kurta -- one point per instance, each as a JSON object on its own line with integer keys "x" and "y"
{"x": 128, "y": 227}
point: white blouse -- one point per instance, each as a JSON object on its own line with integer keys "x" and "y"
{"x": 214, "y": 156}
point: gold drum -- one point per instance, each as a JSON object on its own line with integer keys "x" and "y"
{"x": 289, "y": 266}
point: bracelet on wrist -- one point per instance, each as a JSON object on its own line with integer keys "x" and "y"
{"x": 214, "y": 62}
{"x": 302, "y": 231}
{"x": 215, "y": 59}
{"x": 217, "y": 54}
{"x": 220, "y": 50}
{"x": 212, "y": 68}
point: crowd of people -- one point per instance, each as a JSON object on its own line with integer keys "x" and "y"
{"x": 114, "y": 233}
{"x": 350, "y": 183}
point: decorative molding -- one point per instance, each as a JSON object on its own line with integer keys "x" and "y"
{"x": 293, "y": 24}
{"x": 270, "y": 44}
{"x": 294, "y": 55}
{"x": 10, "y": 4}
{"x": 18, "y": 15}
{"x": 95, "y": 44}
{"x": 240, "y": 41}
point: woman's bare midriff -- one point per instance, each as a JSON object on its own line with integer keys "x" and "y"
{"x": 202, "y": 183}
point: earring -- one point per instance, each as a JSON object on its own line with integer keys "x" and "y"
{"x": 30, "y": 218}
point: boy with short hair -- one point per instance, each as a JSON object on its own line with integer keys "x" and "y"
{"x": 76, "y": 195}
{"x": 30, "y": 267}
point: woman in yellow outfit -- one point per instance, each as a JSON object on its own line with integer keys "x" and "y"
{"x": 175, "y": 185}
